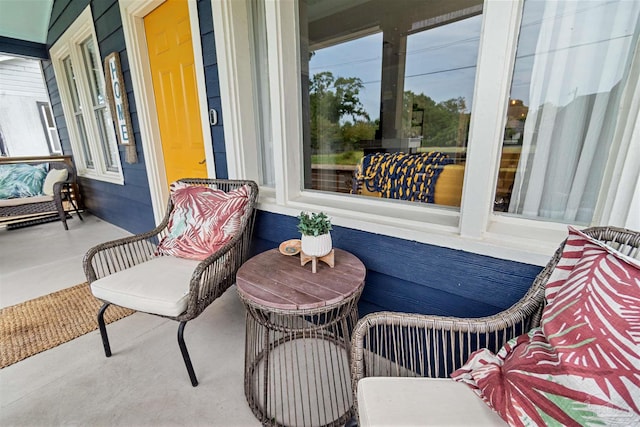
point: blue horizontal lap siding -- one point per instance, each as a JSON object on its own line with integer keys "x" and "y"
{"x": 414, "y": 277}
{"x": 127, "y": 206}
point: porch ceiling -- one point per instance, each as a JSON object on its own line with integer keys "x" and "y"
{"x": 26, "y": 20}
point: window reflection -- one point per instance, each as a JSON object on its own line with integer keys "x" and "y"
{"x": 388, "y": 95}
{"x": 77, "y": 112}
{"x": 108, "y": 143}
{"x": 572, "y": 68}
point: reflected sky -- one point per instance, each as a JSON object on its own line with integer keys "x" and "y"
{"x": 357, "y": 58}
{"x": 441, "y": 62}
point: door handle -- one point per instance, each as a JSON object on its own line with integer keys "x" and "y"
{"x": 202, "y": 162}
{"x": 213, "y": 117}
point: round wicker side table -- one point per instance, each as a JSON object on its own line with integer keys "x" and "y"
{"x": 298, "y": 337}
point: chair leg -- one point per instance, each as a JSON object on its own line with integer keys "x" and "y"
{"x": 74, "y": 206}
{"x": 63, "y": 218}
{"x": 352, "y": 422}
{"x": 60, "y": 208}
{"x": 103, "y": 330}
{"x": 185, "y": 354}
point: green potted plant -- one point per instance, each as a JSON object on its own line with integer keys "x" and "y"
{"x": 316, "y": 237}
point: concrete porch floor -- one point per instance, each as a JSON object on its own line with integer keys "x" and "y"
{"x": 145, "y": 381}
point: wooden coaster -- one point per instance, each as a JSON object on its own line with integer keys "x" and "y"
{"x": 327, "y": 259}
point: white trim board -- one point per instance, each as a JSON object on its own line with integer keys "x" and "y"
{"x": 132, "y": 13}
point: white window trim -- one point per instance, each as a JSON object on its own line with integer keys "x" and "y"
{"x": 77, "y": 32}
{"x": 477, "y": 230}
{"x": 238, "y": 89}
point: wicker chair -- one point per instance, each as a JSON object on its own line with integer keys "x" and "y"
{"x": 207, "y": 280}
{"x": 412, "y": 345}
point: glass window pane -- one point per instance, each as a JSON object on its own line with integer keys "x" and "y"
{"x": 572, "y": 64}
{"x": 82, "y": 132}
{"x": 45, "y": 109}
{"x": 106, "y": 134}
{"x": 77, "y": 109}
{"x": 94, "y": 72}
{"x": 71, "y": 84}
{"x": 50, "y": 131}
{"x": 267, "y": 172}
{"x": 388, "y": 93}
{"x": 109, "y": 151}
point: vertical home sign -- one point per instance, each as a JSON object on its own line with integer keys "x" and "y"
{"x": 117, "y": 96}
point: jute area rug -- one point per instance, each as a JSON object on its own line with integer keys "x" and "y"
{"x": 42, "y": 323}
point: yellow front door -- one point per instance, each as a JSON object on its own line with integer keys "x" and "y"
{"x": 168, "y": 32}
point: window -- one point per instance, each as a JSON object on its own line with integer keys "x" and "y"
{"x": 490, "y": 123}
{"x": 267, "y": 177}
{"x": 49, "y": 126}
{"x": 78, "y": 69}
{"x": 4, "y": 152}
{"x": 93, "y": 70}
{"x": 388, "y": 94}
{"x": 571, "y": 70}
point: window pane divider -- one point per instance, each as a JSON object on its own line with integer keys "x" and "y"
{"x": 493, "y": 80}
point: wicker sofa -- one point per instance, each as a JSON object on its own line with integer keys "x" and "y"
{"x": 401, "y": 363}
{"x": 21, "y": 211}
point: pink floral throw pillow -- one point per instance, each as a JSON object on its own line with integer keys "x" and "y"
{"x": 203, "y": 220}
{"x": 582, "y": 366}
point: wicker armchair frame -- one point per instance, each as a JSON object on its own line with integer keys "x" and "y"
{"x": 210, "y": 279}
{"x": 413, "y": 345}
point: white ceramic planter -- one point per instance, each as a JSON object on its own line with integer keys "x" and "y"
{"x": 316, "y": 245}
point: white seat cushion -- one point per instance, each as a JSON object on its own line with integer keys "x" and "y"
{"x": 24, "y": 200}
{"x": 393, "y": 401}
{"x": 159, "y": 286}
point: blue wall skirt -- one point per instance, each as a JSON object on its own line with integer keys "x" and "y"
{"x": 413, "y": 277}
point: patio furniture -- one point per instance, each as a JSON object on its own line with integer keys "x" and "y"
{"x": 139, "y": 272}
{"x": 298, "y": 337}
{"x": 56, "y": 180}
{"x": 390, "y": 350}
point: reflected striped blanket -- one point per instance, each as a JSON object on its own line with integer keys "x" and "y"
{"x": 400, "y": 175}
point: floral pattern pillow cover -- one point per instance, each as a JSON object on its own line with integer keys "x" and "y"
{"x": 203, "y": 220}
{"x": 582, "y": 366}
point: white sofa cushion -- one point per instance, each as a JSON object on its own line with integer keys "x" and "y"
{"x": 401, "y": 401}
{"x": 24, "y": 201}
{"x": 159, "y": 286}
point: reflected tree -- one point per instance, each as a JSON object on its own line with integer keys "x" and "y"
{"x": 332, "y": 99}
{"x": 438, "y": 123}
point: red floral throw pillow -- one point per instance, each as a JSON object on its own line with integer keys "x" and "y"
{"x": 203, "y": 220}
{"x": 582, "y": 366}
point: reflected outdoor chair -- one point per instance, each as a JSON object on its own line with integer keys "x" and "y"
{"x": 135, "y": 273}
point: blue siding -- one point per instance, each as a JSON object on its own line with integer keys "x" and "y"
{"x": 212, "y": 82}
{"x": 413, "y": 277}
{"x": 13, "y": 46}
{"x": 128, "y": 206}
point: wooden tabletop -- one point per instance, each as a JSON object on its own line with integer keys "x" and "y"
{"x": 278, "y": 281}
